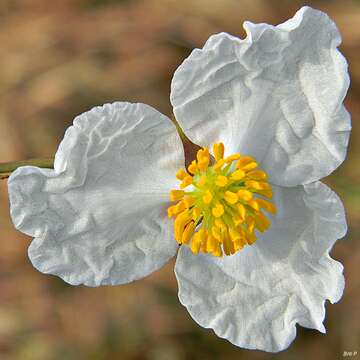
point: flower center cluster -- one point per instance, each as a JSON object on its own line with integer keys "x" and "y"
{"x": 223, "y": 205}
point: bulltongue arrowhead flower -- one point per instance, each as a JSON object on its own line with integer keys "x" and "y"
{"x": 254, "y": 222}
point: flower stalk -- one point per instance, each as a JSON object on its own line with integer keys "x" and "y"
{"x": 8, "y": 167}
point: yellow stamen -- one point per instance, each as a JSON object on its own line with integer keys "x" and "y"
{"x": 211, "y": 244}
{"x": 176, "y": 195}
{"x": 203, "y": 157}
{"x": 196, "y": 242}
{"x": 267, "y": 205}
{"x": 180, "y": 207}
{"x": 231, "y": 197}
{"x": 220, "y": 224}
{"x": 188, "y": 232}
{"x": 202, "y": 181}
{"x": 238, "y": 244}
{"x": 250, "y": 166}
{"x": 218, "y": 210}
{"x": 228, "y": 245}
{"x": 223, "y": 210}
{"x": 189, "y": 201}
{"x": 242, "y": 211}
{"x": 193, "y": 168}
{"x": 196, "y": 213}
{"x": 243, "y": 161}
{"x": 215, "y": 232}
{"x": 203, "y": 247}
{"x": 181, "y": 220}
{"x": 257, "y": 175}
{"x": 266, "y": 193}
{"x": 207, "y": 197}
{"x": 218, "y": 150}
{"x": 238, "y": 175}
{"x": 262, "y": 223}
{"x": 234, "y": 235}
{"x": 250, "y": 238}
{"x": 181, "y": 174}
{"x": 221, "y": 181}
{"x": 170, "y": 211}
{"x": 250, "y": 223}
{"x": 232, "y": 158}
{"x": 220, "y": 163}
{"x": 218, "y": 252}
{"x": 237, "y": 219}
{"x": 257, "y": 185}
{"x": 244, "y": 195}
{"x": 186, "y": 182}
{"x": 253, "y": 203}
{"x": 176, "y": 209}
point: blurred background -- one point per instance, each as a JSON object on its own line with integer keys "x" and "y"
{"x": 59, "y": 59}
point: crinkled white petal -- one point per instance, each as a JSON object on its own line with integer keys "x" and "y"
{"x": 100, "y": 216}
{"x": 276, "y": 95}
{"x": 255, "y": 297}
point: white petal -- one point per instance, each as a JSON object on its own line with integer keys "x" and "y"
{"x": 276, "y": 95}
{"x": 100, "y": 216}
{"x": 255, "y": 297}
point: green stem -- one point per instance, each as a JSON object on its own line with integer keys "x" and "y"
{"x": 7, "y": 168}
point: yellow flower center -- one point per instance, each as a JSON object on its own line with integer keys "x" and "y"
{"x": 223, "y": 205}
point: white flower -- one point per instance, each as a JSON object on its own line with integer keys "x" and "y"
{"x": 100, "y": 216}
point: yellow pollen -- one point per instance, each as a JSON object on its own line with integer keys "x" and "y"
{"x": 181, "y": 174}
{"x": 267, "y": 205}
{"x": 207, "y": 197}
{"x": 197, "y": 240}
{"x": 186, "y": 182}
{"x": 192, "y": 168}
{"x": 211, "y": 244}
{"x": 262, "y": 223}
{"x": 232, "y": 158}
{"x": 238, "y": 175}
{"x": 188, "y": 232}
{"x": 221, "y": 181}
{"x": 231, "y": 197}
{"x": 244, "y": 194}
{"x": 253, "y": 203}
{"x": 219, "y": 164}
{"x": 216, "y": 233}
{"x": 176, "y": 195}
{"x": 218, "y": 210}
{"x": 189, "y": 201}
{"x": 266, "y": 193}
{"x": 257, "y": 175}
{"x": 224, "y": 209}
{"x": 218, "y": 149}
{"x": 180, "y": 222}
{"x": 202, "y": 181}
{"x": 257, "y": 185}
{"x": 203, "y": 158}
{"x": 176, "y": 209}
{"x": 245, "y": 160}
{"x": 196, "y": 213}
{"x": 242, "y": 211}
{"x": 249, "y": 166}
{"x": 220, "y": 224}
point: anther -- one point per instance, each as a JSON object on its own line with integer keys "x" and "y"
{"x": 223, "y": 210}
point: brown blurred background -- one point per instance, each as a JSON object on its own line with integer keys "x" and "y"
{"x": 60, "y": 58}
